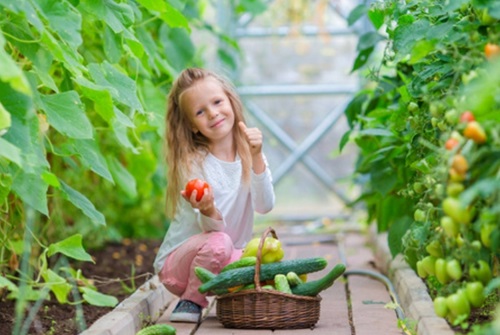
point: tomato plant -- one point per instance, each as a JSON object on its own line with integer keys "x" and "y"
{"x": 197, "y": 185}
{"x": 435, "y": 97}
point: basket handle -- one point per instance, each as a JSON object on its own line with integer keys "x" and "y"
{"x": 256, "y": 277}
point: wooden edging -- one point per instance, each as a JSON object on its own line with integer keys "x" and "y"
{"x": 147, "y": 303}
{"x": 412, "y": 291}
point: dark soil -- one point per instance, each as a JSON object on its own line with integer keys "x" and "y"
{"x": 117, "y": 267}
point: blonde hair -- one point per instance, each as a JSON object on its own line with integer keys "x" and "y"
{"x": 185, "y": 148}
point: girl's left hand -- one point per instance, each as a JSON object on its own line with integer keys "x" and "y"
{"x": 206, "y": 205}
{"x": 254, "y": 138}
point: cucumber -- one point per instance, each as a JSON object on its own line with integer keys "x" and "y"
{"x": 240, "y": 263}
{"x": 293, "y": 279}
{"x": 312, "y": 288}
{"x": 159, "y": 329}
{"x": 203, "y": 274}
{"x": 243, "y": 276}
{"x": 281, "y": 284}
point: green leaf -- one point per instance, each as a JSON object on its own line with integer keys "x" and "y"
{"x": 123, "y": 178}
{"x": 10, "y": 72}
{"x": 118, "y": 16}
{"x": 57, "y": 285}
{"x": 377, "y": 17}
{"x": 395, "y": 235}
{"x": 179, "y": 49}
{"x": 81, "y": 202}
{"x": 375, "y": 132}
{"x": 369, "y": 40}
{"x": 254, "y": 7}
{"x": 101, "y": 95}
{"x": 10, "y": 152}
{"x": 65, "y": 113}
{"x": 98, "y": 299}
{"x": 421, "y": 50}
{"x": 362, "y": 58}
{"x": 91, "y": 156}
{"x": 51, "y": 179}
{"x": 62, "y": 17}
{"x": 5, "y": 186}
{"x": 356, "y": 14}
{"x": 4, "y": 282}
{"x": 344, "y": 140}
{"x": 71, "y": 247}
{"x": 168, "y": 13}
{"x": 123, "y": 89}
{"x": 5, "y": 121}
{"x": 31, "y": 189}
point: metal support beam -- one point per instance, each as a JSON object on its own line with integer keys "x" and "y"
{"x": 290, "y": 144}
{"x": 269, "y": 90}
{"x": 286, "y": 31}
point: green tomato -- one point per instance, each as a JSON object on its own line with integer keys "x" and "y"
{"x": 441, "y": 307}
{"x": 454, "y": 209}
{"x": 412, "y": 107}
{"x": 450, "y": 227}
{"x": 441, "y": 273}
{"x": 475, "y": 293}
{"x": 486, "y": 230}
{"x": 453, "y": 189}
{"x": 458, "y": 304}
{"x": 481, "y": 271}
{"x": 429, "y": 265}
{"x": 454, "y": 269}
{"x": 418, "y": 187}
{"x": 419, "y": 215}
{"x": 434, "y": 249}
{"x": 420, "y": 270}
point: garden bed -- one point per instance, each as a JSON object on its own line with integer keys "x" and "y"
{"x": 120, "y": 268}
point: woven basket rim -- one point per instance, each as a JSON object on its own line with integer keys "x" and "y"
{"x": 270, "y": 292}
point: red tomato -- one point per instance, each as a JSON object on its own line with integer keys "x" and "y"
{"x": 451, "y": 143}
{"x": 198, "y": 185}
{"x": 466, "y": 117}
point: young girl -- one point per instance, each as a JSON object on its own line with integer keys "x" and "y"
{"x": 207, "y": 139}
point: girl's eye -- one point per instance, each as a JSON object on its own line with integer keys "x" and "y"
{"x": 218, "y": 101}
{"x": 198, "y": 112}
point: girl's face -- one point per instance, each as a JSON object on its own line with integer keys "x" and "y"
{"x": 209, "y": 110}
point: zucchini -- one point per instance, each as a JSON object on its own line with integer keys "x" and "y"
{"x": 159, "y": 329}
{"x": 240, "y": 263}
{"x": 281, "y": 284}
{"x": 243, "y": 276}
{"x": 312, "y": 288}
{"x": 293, "y": 279}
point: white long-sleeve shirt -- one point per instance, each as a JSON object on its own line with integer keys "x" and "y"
{"x": 235, "y": 201}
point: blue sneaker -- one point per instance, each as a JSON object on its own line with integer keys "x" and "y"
{"x": 186, "y": 311}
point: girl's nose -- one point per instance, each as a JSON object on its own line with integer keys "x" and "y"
{"x": 212, "y": 112}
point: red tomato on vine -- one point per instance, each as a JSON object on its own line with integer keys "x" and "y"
{"x": 467, "y": 117}
{"x": 198, "y": 185}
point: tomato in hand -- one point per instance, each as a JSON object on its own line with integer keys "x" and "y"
{"x": 198, "y": 185}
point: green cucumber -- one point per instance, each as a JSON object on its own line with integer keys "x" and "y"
{"x": 203, "y": 274}
{"x": 293, "y": 279}
{"x": 159, "y": 329}
{"x": 240, "y": 263}
{"x": 243, "y": 276}
{"x": 281, "y": 284}
{"x": 312, "y": 288}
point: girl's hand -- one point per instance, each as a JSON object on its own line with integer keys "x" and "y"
{"x": 206, "y": 205}
{"x": 254, "y": 139}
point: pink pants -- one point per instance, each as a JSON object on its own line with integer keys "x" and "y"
{"x": 211, "y": 250}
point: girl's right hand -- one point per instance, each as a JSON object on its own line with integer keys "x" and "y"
{"x": 206, "y": 205}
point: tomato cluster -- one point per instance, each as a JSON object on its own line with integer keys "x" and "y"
{"x": 460, "y": 255}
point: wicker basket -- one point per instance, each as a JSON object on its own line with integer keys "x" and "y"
{"x": 267, "y": 309}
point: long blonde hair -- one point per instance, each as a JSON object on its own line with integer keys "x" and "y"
{"x": 185, "y": 148}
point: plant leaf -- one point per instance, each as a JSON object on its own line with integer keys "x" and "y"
{"x": 98, "y": 299}
{"x": 66, "y": 114}
{"x": 71, "y": 247}
{"x": 91, "y": 155}
{"x": 81, "y": 202}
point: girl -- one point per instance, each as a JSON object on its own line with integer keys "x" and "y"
{"x": 207, "y": 139}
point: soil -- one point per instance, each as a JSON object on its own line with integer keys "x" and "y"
{"x": 118, "y": 266}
